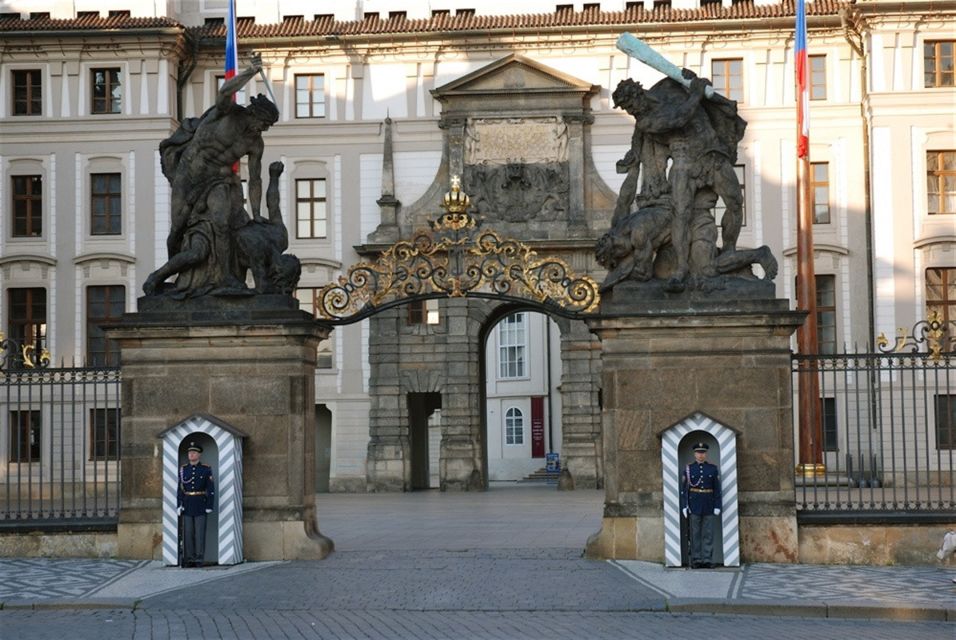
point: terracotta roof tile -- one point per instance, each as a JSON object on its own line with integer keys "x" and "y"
{"x": 86, "y": 23}
{"x": 293, "y": 27}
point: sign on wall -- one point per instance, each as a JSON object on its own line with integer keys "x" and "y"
{"x": 537, "y": 427}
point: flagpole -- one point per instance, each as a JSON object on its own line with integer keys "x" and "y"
{"x": 810, "y": 426}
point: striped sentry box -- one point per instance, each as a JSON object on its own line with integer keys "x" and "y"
{"x": 727, "y": 441}
{"x": 228, "y": 441}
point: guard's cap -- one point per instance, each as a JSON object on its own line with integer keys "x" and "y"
{"x": 701, "y": 446}
{"x": 194, "y": 447}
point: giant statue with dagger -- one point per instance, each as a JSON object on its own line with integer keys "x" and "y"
{"x": 680, "y": 162}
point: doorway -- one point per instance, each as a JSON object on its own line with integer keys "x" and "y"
{"x": 323, "y": 448}
{"x": 420, "y": 408}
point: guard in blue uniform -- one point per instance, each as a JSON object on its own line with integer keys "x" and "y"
{"x": 700, "y": 504}
{"x": 195, "y": 498}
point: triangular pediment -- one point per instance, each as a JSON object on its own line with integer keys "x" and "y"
{"x": 515, "y": 73}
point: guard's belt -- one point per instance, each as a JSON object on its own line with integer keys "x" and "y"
{"x": 692, "y": 489}
{"x": 195, "y": 493}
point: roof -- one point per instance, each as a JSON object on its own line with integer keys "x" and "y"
{"x": 327, "y": 26}
{"x": 87, "y": 23}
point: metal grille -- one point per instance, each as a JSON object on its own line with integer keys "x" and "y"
{"x": 888, "y": 438}
{"x": 60, "y": 439}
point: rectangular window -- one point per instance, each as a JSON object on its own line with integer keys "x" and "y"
{"x": 818, "y": 77}
{"x": 102, "y": 305}
{"x": 310, "y": 96}
{"x": 241, "y": 95}
{"x": 512, "y": 345}
{"x": 107, "y": 91}
{"x": 938, "y": 64}
{"x": 720, "y": 207}
{"x": 727, "y": 77}
{"x": 826, "y": 314}
{"x": 308, "y": 302}
{"x": 941, "y": 182}
{"x": 829, "y": 419}
{"x": 27, "y": 92}
{"x": 26, "y": 320}
{"x": 27, "y": 206}
{"x": 820, "y": 186}
{"x": 941, "y": 293}
{"x": 946, "y": 421}
{"x": 422, "y": 312}
{"x": 106, "y": 204}
{"x": 24, "y": 435}
{"x": 104, "y": 434}
{"x": 310, "y": 207}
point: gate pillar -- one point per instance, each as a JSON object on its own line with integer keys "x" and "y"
{"x": 253, "y": 369}
{"x": 727, "y": 360}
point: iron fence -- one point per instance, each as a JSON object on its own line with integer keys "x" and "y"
{"x": 60, "y": 450}
{"x": 888, "y": 438}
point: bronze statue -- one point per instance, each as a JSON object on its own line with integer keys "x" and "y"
{"x": 683, "y": 151}
{"x": 207, "y": 215}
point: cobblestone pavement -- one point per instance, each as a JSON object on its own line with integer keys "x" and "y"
{"x": 258, "y": 624}
{"x": 498, "y": 565}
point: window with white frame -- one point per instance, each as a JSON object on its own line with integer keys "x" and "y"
{"x": 310, "y": 96}
{"x": 512, "y": 346}
{"x": 514, "y": 426}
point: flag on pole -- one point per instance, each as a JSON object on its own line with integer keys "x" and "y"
{"x": 803, "y": 84}
{"x": 232, "y": 51}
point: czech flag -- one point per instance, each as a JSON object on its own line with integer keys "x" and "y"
{"x": 232, "y": 51}
{"x": 803, "y": 83}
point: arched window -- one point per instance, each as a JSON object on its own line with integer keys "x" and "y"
{"x": 514, "y": 426}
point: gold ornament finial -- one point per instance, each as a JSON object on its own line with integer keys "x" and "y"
{"x": 456, "y": 200}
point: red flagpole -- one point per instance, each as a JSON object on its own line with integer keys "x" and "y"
{"x": 810, "y": 425}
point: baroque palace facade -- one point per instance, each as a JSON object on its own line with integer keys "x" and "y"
{"x": 381, "y": 102}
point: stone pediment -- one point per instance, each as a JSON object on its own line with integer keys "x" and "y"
{"x": 514, "y": 74}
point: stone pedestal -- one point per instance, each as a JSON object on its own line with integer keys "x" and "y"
{"x": 251, "y": 368}
{"x": 662, "y": 362}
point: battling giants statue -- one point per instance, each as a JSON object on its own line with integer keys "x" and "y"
{"x": 212, "y": 240}
{"x": 666, "y": 232}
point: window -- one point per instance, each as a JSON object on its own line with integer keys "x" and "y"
{"x": 308, "y": 301}
{"x": 818, "y": 77}
{"x": 423, "y": 312}
{"x": 464, "y": 12}
{"x": 107, "y": 91}
{"x": 820, "y": 186}
{"x": 514, "y": 426}
{"x": 397, "y": 15}
{"x": 310, "y": 207}
{"x": 512, "y": 342}
{"x": 938, "y": 64}
{"x": 941, "y": 182}
{"x": 26, "y": 323}
{"x": 438, "y": 13}
{"x": 102, "y": 305}
{"x": 122, "y": 13}
{"x": 27, "y": 92}
{"x": 372, "y": 15}
{"x": 826, "y": 314}
{"x": 727, "y": 77}
{"x": 310, "y": 96}
{"x": 829, "y": 419}
{"x": 106, "y": 204}
{"x": 720, "y": 207}
{"x": 561, "y": 8}
{"x": 941, "y": 292}
{"x": 27, "y": 206}
{"x": 104, "y": 434}
{"x": 591, "y": 6}
{"x": 241, "y": 95}
{"x": 24, "y": 435}
{"x": 946, "y": 421}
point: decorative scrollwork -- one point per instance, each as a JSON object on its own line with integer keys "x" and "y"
{"x": 934, "y": 334}
{"x": 454, "y": 258}
{"x": 14, "y": 355}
